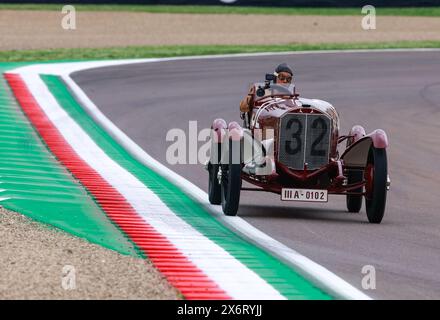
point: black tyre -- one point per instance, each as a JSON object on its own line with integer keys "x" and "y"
{"x": 354, "y": 203}
{"x": 214, "y": 188}
{"x": 376, "y": 175}
{"x": 231, "y": 183}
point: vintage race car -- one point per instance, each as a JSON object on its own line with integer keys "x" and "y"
{"x": 289, "y": 145}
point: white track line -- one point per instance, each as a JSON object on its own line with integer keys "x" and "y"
{"x": 70, "y": 67}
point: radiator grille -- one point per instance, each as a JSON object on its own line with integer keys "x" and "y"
{"x": 304, "y": 138}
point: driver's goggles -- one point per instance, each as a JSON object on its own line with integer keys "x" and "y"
{"x": 285, "y": 78}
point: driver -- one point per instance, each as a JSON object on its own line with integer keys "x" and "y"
{"x": 284, "y": 76}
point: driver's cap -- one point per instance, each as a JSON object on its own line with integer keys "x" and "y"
{"x": 284, "y": 67}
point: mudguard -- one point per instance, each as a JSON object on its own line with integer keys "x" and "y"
{"x": 218, "y": 130}
{"x": 356, "y": 154}
{"x": 252, "y": 151}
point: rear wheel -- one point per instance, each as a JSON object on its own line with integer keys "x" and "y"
{"x": 376, "y": 174}
{"x": 354, "y": 202}
{"x": 231, "y": 183}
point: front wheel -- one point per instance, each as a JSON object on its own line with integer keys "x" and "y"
{"x": 214, "y": 190}
{"x": 231, "y": 183}
{"x": 376, "y": 174}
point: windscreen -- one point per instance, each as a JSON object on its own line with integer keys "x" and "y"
{"x": 277, "y": 90}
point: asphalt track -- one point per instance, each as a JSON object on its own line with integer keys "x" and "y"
{"x": 396, "y": 91}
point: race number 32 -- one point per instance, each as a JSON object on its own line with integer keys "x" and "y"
{"x": 295, "y": 133}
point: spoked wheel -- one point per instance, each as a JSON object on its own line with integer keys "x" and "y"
{"x": 231, "y": 182}
{"x": 354, "y": 202}
{"x": 214, "y": 188}
{"x": 376, "y": 174}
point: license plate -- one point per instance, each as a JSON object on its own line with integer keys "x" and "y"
{"x": 309, "y": 195}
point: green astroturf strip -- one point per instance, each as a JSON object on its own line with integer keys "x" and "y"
{"x": 203, "y": 9}
{"x": 138, "y": 52}
{"x": 37, "y": 186}
{"x": 280, "y": 276}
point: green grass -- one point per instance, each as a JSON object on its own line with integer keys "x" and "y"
{"x": 190, "y": 50}
{"x": 410, "y": 11}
